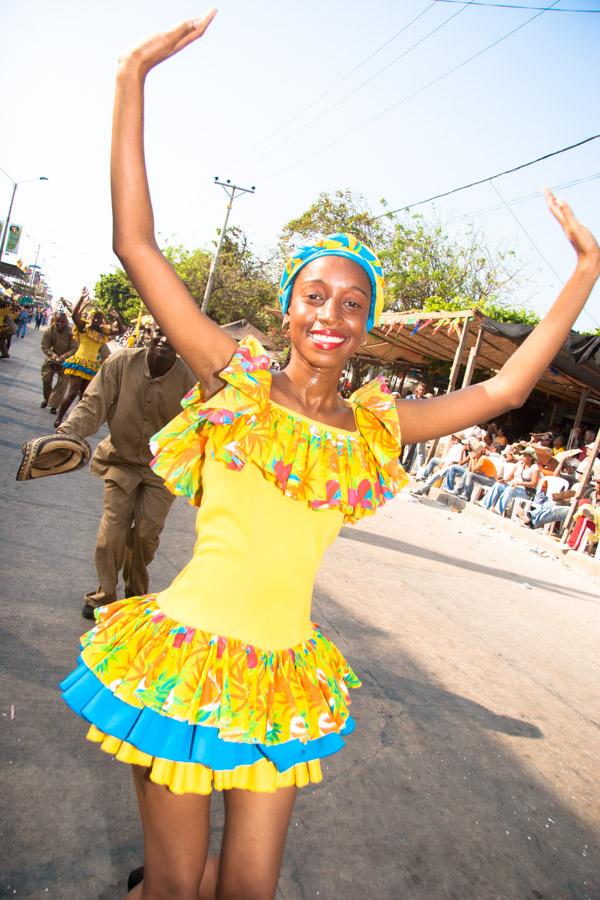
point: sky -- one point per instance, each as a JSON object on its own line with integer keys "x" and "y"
{"x": 298, "y": 98}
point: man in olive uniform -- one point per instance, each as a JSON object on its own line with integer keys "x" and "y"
{"x": 136, "y": 392}
{"x": 58, "y": 343}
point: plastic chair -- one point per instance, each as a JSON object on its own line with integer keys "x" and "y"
{"x": 479, "y": 491}
{"x": 554, "y": 484}
{"x": 520, "y": 503}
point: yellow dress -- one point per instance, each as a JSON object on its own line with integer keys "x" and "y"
{"x": 86, "y": 361}
{"x": 222, "y": 680}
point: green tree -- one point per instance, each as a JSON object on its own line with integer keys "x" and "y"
{"x": 243, "y": 288}
{"x": 332, "y": 213}
{"x": 116, "y": 290}
{"x": 424, "y": 267}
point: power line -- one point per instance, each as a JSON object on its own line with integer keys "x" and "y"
{"x": 332, "y": 87}
{"x": 523, "y": 199}
{"x": 465, "y": 187}
{"x": 379, "y": 72}
{"x": 533, "y": 243}
{"x": 517, "y": 6}
{"x": 420, "y": 90}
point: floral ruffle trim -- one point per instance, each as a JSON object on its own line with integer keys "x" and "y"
{"x": 327, "y": 468}
{"x": 149, "y": 660}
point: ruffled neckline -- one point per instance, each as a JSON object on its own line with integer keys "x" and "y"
{"x": 321, "y": 425}
{"x": 310, "y": 461}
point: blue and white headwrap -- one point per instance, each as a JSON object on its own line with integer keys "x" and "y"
{"x": 337, "y": 245}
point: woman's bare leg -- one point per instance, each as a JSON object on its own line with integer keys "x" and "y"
{"x": 176, "y": 831}
{"x": 73, "y": 392}
{"x": 253, "y": 843}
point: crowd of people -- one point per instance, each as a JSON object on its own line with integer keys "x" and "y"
{"x": 15, "y": 316}
{"x": 534, "y": 479}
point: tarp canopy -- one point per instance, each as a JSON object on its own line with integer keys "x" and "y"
{"x": 415, "y": 339}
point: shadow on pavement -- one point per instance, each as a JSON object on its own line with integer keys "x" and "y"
{"x": 426, "y": 801}
{"x": 434, "y": 556}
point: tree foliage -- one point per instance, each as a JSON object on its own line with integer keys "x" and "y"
{"x": 330, "y": 214}
{"x": 115, "y": 290}
{"x": 243, "y": 287}
{"x": 424, "y": 267}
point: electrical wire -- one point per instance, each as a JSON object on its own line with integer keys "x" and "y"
{"x": 332, "y": 87}
{"x": 418, "y": 91}
{"x": 329, "y": 109}
{"x": 517, "y": 6}
{"x": 464, "y": 187}
{"x": 533, "y": 243}
{"x": 524, "y": 199}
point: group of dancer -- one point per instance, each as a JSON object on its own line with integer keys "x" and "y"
{"x": 222, "y": 680}
{"x": 75, "y": 356}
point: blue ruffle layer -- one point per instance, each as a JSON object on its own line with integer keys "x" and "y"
{"x": 166, "y": 738}
{"x": 83, "y": 370}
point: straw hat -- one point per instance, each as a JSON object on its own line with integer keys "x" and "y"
{"x": 53, "y": 454}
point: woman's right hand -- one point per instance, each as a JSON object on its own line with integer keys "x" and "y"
{"x": 162, "y": 46}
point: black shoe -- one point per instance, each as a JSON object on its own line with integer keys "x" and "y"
{"x": 135, "y": 877}
{"x": 43, "y": 404}
{"x": 53, "y": 410}
{"x": 88, "y": 612}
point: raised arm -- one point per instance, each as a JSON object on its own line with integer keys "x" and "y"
{"x": 521, "y": 372}
{"x": 117, "y": 325}
{"x": 77, "y": 312}
{"x": 201, "y": 343}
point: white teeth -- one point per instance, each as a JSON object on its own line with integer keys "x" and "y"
{"x": 327, "y": 339}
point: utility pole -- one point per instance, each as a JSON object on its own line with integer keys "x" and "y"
{"x": 7, "y": 220}
{"x": 233, "y": 191}
{"x": 15, "y": 185}
{"x": 34, "y": 266}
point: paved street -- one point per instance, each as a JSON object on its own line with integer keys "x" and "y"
{"x": 473, "y": 773}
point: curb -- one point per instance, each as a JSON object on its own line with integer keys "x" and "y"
{"x": 536, "y": 541}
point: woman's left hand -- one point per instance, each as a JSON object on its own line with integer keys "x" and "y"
{"x": 581, "y": 238}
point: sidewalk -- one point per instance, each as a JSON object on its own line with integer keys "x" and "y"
{"x": 536, "y": 540}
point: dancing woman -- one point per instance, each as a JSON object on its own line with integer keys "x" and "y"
{"x": 93, "y": 332}
{"x": 221, "y": 680}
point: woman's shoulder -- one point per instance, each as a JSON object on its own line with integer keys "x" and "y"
{"x": 309, "y": 461}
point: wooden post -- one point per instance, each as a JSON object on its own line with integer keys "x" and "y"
{"x": 582, "y": 486}
{"x": 578, "y": 417}
{"x": 472, "y": 359}
{"x": 458, "y": 356}
{"x": 462, "y": 343}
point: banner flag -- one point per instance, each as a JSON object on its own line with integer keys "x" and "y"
{"x": 13, "y": 238}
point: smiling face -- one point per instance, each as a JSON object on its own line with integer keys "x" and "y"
{"x": 329, "y": 310}
{"x": 159, "y": 348}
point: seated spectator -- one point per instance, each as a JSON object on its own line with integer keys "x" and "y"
{"x": 577, "y": 439}
{"x": 455, "y": 454}
{"x": 483, "y": 475}
{"x": 586, "y": 523}
{"x": 414, "y": 453}
{"x": 522, "y": 484}
{"x": 475, "y": 451}
{"x": 588, "y": 439}
{"x": 588, "y": 451}
{"x": 558, "y": 444}
{"x": 500, "y": 441}
{"x": 479, "y": 469}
